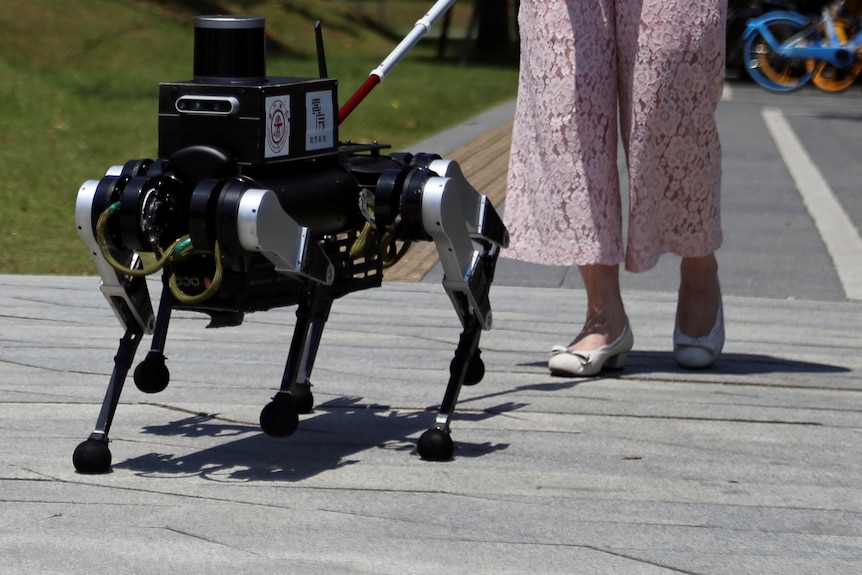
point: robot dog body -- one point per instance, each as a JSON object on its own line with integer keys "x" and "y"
{"x": 254, "y": 204}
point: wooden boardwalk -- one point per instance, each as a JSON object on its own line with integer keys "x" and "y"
{"x": 484, "y": 162}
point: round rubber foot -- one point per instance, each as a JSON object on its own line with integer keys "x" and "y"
{"x": 92, "y": 456}
{"x": 303, "y": 399}
{"x": 279, "y": 418}
{"x": 475, "y": 371}
{"x": 436, "y": 445}
{"x": 152, "y": 375}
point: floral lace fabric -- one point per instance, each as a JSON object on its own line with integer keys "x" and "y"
{"x": 650, "y": 71}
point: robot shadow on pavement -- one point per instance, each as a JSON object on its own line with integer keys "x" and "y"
{"x": 253, "y": 203}
{"x": 231, "y": 451}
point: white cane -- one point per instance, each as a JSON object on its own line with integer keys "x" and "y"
{"x": 379, "y": 73}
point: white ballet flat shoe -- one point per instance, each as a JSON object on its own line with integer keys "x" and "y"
{"x": 699, "y": 352}
{"x": 565, "y": 361}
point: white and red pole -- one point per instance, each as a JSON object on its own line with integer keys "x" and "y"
{"x": 419, "y": 30}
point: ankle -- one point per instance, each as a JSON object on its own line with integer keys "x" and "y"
{"x": 606, "y": 315}
{"x": 699, "y": 297}
{"x": 599, "y": 331}
{"x": 699, "y": 274}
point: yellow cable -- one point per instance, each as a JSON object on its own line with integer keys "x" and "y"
{"x": 364, "y": 242}
{"x": 369, "y": 239}
{"x": 211, "y": 289}
{"x": 390, "y": 257}
{"x": 177, "y": 250}
{"x": 102, "y": 240}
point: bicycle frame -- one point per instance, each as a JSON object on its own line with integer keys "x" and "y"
{"x": 808, "y": 43}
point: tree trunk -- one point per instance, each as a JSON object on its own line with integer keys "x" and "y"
{"x": 493, "y": 16}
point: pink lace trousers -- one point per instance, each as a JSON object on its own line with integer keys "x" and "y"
{"x": 650, "y": 71}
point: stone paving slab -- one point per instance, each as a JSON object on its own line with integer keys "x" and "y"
{"x": 751, "y": 467}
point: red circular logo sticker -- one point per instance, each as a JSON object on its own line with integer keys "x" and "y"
{"x": 279, "y": 128}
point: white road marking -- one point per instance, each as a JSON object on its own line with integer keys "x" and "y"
{"x": 836, "y": 229}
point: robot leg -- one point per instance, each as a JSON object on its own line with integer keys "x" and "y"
{"x": 128, "y": 297}
{"x": 280, "y": 417}
{"x": 93, "y": 455}
{"x": 468, "y": 234}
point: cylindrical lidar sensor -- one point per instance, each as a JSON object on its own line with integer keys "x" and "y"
{"x": 230, "y": 49}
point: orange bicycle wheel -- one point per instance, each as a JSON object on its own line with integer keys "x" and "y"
{"x": 777, "y": 72}
{"x": 831, "y": 78}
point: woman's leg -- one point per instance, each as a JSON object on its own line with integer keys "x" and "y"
{"x": 671, "y": 78}
{"x": 605, "y": 340}
{"x": 699, "y": 296}
{"x": 698, "y": 337}
{"x": 563, "y": 203}
{"x": 606, "y": 315}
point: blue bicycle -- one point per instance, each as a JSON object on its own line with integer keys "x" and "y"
{"x": 739, "y": 13}
{"x": 785, "y": 50}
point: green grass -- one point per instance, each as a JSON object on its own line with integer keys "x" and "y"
{"x": 79, "y": 84}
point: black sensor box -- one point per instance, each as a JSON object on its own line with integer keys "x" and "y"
{"x": 274, "y": 121}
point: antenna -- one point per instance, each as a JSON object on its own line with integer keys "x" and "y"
{"x": 321, "y": 56}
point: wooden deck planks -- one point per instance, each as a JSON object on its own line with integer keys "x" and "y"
{"x": 484, "y": 162}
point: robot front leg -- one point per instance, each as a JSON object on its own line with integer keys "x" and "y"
{"x": 467, "y": 367}
{"x": 128, "y": 297}
{"x": 468, "y": 234}
{"x": 436, "y": 444}
{"x": 93, "y": 455}
{"x": 280, "y": 417}
{"x": 151, "y": 376}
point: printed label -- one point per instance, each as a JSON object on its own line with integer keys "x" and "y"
{"x": 319, "y": 121}
{"x": 277, "y": 126}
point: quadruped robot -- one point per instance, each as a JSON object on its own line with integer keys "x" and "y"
{"x": 253, "y": 203}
